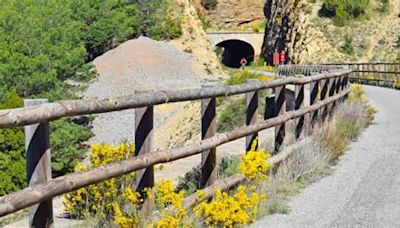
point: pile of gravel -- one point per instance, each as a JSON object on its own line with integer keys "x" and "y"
{"x": 139, "y": 64}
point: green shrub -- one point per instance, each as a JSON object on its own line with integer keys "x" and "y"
{"x": 205, "y": 24}
{"x": 12, "y": 150}
{"x": 241, "y": 77}
{"x": 383, "y": 6}
{"x": 157, "y": 20}
{"x": 66, "y": 141}
{"x": 230, "y": 165}
{"x": 104, "y": 24}
{"x": 190, "y": 182}
{"x": 209, "y": 4}
{"x": 344, "y": 10}
{"x": 348, "y": 46}
{"x": 45, "y": 43}
{"x": 232, "y": 115}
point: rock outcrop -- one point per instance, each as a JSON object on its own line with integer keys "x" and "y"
{"x": 234, "y": 13}
{"x": 286, "y": 30}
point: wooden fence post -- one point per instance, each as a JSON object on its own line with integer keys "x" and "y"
{"x": 339, "y": 84}
{"x": 209, "y": 169}
{"x": 314, "y": 88}
{"x": 280, "y": 102}
{"x": 251, "y": 113}
{"x": 332, "y": 90}
{"x": 324, "y": 93}
{"x": 299, "y": 103}
{"x": 38, "y": 166}
{"x": 270, "y": 107}
{"x": 143, "y": 140}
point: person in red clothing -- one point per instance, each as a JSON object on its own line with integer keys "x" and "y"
{"x": 282, "y": 58}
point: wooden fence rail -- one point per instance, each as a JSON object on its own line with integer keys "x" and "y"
{"x": 378, "y": 74}
{"x": 145, "y": 159}
{"x": 52, "y": 111}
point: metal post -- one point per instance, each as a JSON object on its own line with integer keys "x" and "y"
{"x": 209, "y": 170}
{"x": 38, "y": 166}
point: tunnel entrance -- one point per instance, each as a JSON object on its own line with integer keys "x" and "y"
{"x": 232, "y": 51}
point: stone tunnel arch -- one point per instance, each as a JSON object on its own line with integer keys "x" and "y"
{"x": 232, "y": 51}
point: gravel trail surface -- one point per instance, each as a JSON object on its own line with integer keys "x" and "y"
{"x": 364, "y": 190}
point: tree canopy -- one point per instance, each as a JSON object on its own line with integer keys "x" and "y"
{"x": 45, "y": 43}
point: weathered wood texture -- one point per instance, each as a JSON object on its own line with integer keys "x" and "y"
{"x": 299, "y": 103}
{"x": 45, "y": 191}
{"x": 51, "y": 111}
{"x": 209, "y": 169}
{"x": 314, "y": 89}
{"x": 280, "y": 131}
{"x": 38, "y": 166}
{"x": 143, "y": 141}
{"x": 251, "y": 114}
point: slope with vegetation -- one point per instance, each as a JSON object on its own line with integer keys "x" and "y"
{"x": 356, "y": 30}
{"x": 45, "y": 51}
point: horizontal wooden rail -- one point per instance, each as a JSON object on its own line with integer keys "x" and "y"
{"x": 51, "y": 111}
{"x": 45, "y": 191}
{"x": 373, "y": 63}
{"x": 376, "y": 72}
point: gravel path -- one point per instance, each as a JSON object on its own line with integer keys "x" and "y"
{"x": 364, "y": 190}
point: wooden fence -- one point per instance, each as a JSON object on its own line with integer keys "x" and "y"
{"x": 378, "y": 74}
{"x": 326, "y": 89}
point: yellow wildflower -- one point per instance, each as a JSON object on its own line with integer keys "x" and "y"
{"x": 200, "y": 194}
{"x": 132, "y": 196}
{"x": 254, "y": 164}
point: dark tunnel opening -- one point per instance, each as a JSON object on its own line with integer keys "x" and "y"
{"x": 232, "y": 51}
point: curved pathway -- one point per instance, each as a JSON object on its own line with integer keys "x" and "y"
{"x": 364, "y": 190}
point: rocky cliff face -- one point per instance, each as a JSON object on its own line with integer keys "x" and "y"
{"x": 286, "y": 30}
{"x": 233, "y": 13}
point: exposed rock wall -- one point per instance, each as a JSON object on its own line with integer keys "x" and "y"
{"x": 286, "y": 29}
{"x": 234, "y": 13}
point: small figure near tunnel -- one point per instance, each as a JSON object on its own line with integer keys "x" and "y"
{"x": 234, "y": 51}
{"x": 243, "y": 62}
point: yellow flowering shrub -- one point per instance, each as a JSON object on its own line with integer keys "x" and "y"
{"x": 397, "y": 85}
{"x": 369, "y": 77}
{"x": 227, "y": 211}
{"x": 116, "y": 200}
{"x": 357, "y": 92}
{"x": 241, "y": 208}
{"x": 169, "y": 202}
{"x": 254, "y": 164}
{"x": 100, "y": 200}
